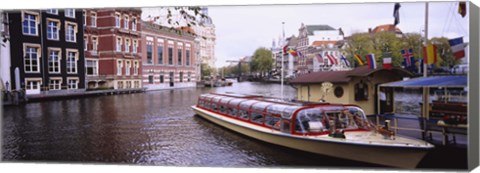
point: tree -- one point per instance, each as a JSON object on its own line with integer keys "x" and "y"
{"x": 445, "y": 56}
{"x": 359, "y": 43}
{"x": 187, "y": 17}
{"x": 387, "y": 44}
{"x": 206, "y": 70}
{"x": 261, "y": 61}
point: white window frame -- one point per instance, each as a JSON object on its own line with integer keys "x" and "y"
{"x": 128, "y": 65}
{"x": 56, "y": 63}
{"x": 135, "y": 68}
{"x": 118, "y": 44}
{"x": 70, "y": 12}
{"x": 93, "y": 19}
{"x": 126, "y": 20}
{"x": 127, "y": 45}
{"x": 29, "y": 27}
{"x": 94, "y": 66}
{"x": 119, "y": 67}
{"x": 52, "y": 85}
{"x": 134, "y": 24}
{"x": 52, "y": 11}
{"x": 27, "y": 56}
{"x": 135, "y": 46}
{"x": 72, "y": 83}
{"x": 85, "y": 42}
{"x": 50, "y": 28}
{"x": 95, "y": 43}
{"x": 117, "y": 20}
{"x": 68, "y": 35}
{"x": 30, "y": 88}
{"x": 72, "y": 67}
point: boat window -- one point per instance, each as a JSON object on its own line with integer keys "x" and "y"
{"x": 311, "y": 120}
{"x": 257, "y": 117}
{"x": 358, "y": 117}
{"x": 260, "y": 106}
{"x": 200, "y": 103}
{"x": 276, "y": 108}
{"x": 231, "y": 111}
{"x": 272, "y": 121}
{"x": 225, "y": 100}
{"x": 246, "y": 104}
{"x": 285, "y": 126}
{"x": 288, "y": 111}
{"x": 243, "y": 114}
{"x": 216, "y": 99}
{"x": 235, "y": 102}
{"x": 214, "y": 106}
{"x": 222, "y": 109}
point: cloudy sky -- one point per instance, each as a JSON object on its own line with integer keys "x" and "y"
{"x": 242, "y": 29}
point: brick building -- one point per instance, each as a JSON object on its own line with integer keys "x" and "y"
{"x": 168, "y": 57}
{"x": 112, "y": 48}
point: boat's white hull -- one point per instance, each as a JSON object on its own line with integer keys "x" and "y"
{"x": 404, "y": 157}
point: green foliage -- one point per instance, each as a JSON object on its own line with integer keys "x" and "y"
{"x": 262, "y": 60}
{"x": 387, "y": 44}
{"x": 206, "y": 70}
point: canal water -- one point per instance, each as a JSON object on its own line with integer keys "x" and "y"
{"x": 156, "y": 128}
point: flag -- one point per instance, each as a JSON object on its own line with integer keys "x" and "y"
{"x": 334, "y": 59}
{"x": 458, "y": 47}
{"x": 285, "y": 49}
{"x": 396, "y": 14}
{"x": 371, "y": 61}
{"x": 359, "y": 59}
{"x": 300, "y": 54}
{"x": 319, "y": 58}
{"x": 345, "y": 61}
{"x": 331, "y": 59}
{"x": 407, "y": 56}
{"x": 462, "y": 8}
{"x": 293, "y": 52}
{"x": 387, "y": 63}
{"x": 430, "y": 54}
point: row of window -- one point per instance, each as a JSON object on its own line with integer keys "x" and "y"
{"x": 127, "y": 43}
{"x": 32, "y": 59}
{"x": 161, "y": 77}
{"x": 68, "y": 12}
{"x": 53, "y": 84}
{"x": 170, "y": 58}
{"x": 30, "y": 27}
{"x": 126, "y": 22}
{"x": 127, "y": 84}
{"x": 128, "y": 67}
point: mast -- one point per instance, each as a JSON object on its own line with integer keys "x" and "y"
{"x": 426, "y": 39}
{"x": 426, "y": 90}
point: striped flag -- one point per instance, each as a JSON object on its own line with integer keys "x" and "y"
{"x": 387, "y": 63}
{"x": 345, "y": 61}
{"x": 319, "y": 58}
{"x": 335, "y": 59}
{"x": 396, "y": 14}
{"x": 359, "y": 59}
{"x": 300, "y": 54}
{"x": 330, "y": 58}
{"x": 372, "y": 64}
{"x": 458, "y": 47}
{"x": 430, "y": 54}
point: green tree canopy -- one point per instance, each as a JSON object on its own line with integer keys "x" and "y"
{"x": 206, "y": 70}
{"x": 262, "y": 61}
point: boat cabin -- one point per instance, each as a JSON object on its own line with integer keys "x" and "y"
{"x": 288, "y": 117}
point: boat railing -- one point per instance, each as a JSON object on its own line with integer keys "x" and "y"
{"x": 395, "y": 126}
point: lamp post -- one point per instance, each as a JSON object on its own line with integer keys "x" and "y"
{"x": 283, "y": 57}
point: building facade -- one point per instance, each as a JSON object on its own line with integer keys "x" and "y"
{"x": 5, "y": 81}
{"x": 207, "y": 39}
{"x": 112, "y": 48}
{"x": 319, "y": 39}
{"x": 46, "y": 54}
{"x": 168, "y": 57}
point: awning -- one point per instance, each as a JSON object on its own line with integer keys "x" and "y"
{"x": 431, "y": 82}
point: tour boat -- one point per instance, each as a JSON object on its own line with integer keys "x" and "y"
{"x": 335, "y": 130}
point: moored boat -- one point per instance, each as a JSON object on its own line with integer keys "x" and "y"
{"x": 329, "y": 129}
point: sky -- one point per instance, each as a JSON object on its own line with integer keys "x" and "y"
{"x": 240, "y": 30}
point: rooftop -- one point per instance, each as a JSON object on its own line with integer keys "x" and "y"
{"x": 311, "y": 28}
